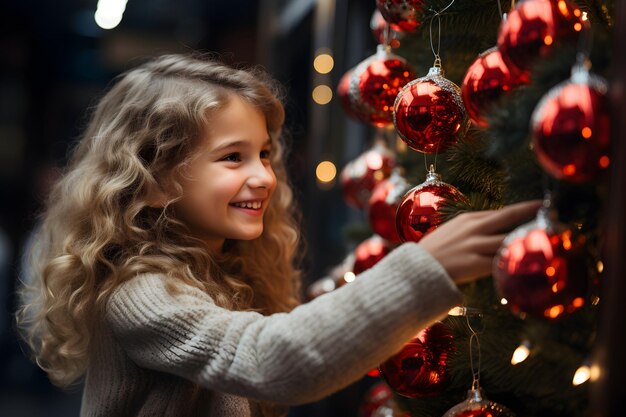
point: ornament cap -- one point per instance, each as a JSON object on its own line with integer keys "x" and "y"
{"x": 432, "y": 176}
{"x": 475, "y": 395}
{"x": 382, "y": 51}
{"x": 436, "y": 71}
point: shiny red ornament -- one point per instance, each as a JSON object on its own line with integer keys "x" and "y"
{"x": 360, "y": 176}
{"x": 533, "y": 28}
{"x": 484, "y": 83}
{"x": 375, "y": 397}
{"x": 383, "y": 205}
{"x": 369, "y": 252}
{"x": 541, "y": 269}
{"x": 429, "y": 114}
{"x": 477, "y": 405}
{"x": 420, "y": 369}
{"x": 374, "y": 85}
{"x": 419, "y": 213}
{"x": 571, "y": 129}
{"x": 401, "y": 14}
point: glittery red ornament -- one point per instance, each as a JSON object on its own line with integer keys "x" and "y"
{"x": 485, "y": 81}
{"x": 429, "y": 114}
{"x": 476, "y": 405}
{"x": 360, "y": 176}
{"x": 541, "y": 268}
{"x": 420, "y": 369}
{"x": 369, "y": 252}
{"x": 374, "y": 85}
{"x": 533, "y": 27}
{"x": 375, "y": 397}
{"x": 383, "y": 205}
{"x": 418, "y": 212}
{"x": 401, "y": 14}
{"x": 571, "y": 128}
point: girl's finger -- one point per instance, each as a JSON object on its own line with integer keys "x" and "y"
{"x": 489, "y": 245}
{"x": 508, "y": 217}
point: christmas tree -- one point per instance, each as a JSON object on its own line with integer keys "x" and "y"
{"x": 506, "y": 103}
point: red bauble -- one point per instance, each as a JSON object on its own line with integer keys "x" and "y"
{"x": 378, "y": 25}
{"x": 541, "y": 269}
{"x": 401, "y": 14}
{"x": 476, "y": 405}
{"x": 533, "y": 28}
{"x": 383, "y": 205}
{"x": 429, "y": 114}
{"x": 375, "y": 397}
{"x": 571, "y": 129}
{"x": 418, "y": 212}
{"x": 360, "y": 176}
{"x": 374, "y": 85}
{"x": 420, "y": 369}
{"x": 342, "y": 93}
{"x": 369, "y": 252}
{"x": 484, "y": 82}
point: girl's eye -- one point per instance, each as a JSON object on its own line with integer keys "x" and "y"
{"x": 233, "y": 157}
{"x": 265, "y": 154}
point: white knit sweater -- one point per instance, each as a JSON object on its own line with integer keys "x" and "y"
{"x": 159, "y": 354}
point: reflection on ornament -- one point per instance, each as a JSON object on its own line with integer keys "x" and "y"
{"x": 428, "y": 113}
{"x": 360, "y": 176}
{"x": 420, "y": 369}
{"x": 401, "y": 14}
{"x": 571, "y": 128}
{"x": 484, "y": 83}
{"x": 383, "y": 205}
{"x": 374, "y": 85}
{"x": 532, "y": 29}
{"x": 476, "y": 405}
{"x": 418, "y": 212}
{"x": 541, "y": 268}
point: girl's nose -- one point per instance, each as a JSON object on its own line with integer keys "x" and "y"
{"x": 262, "y": 176}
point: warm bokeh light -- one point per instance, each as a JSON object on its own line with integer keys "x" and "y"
{"x": 109, "y": 13}
{"x": 322, "y": 94}
{"x": 504, "y": 301}
{"x": 600, "y": 266}
{"x": 349, "y": 276}
{"x": 582, "y": 375}
{"x": 323, "y": 63}
{"x": 521, "y": 353}
{"x": 326, "y": 171}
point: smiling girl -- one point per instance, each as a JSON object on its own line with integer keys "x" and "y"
{"x": 164, "y": 267}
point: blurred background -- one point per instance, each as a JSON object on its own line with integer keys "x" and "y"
{"x": 57, "y": 58}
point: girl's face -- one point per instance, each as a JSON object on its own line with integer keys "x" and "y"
{"x": 228, "y": 186}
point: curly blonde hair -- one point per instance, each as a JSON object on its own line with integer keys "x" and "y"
{"x": 99, "y": 229}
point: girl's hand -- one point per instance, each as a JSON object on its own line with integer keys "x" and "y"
{"x": 465, "y": 246}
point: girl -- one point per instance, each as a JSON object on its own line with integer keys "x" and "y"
{"x": 164, "y": 266}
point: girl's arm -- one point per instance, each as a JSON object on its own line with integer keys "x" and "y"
{"x": 289, "y": 358}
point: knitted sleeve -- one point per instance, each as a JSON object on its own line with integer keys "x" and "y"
{"x": 286, "y": 358}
